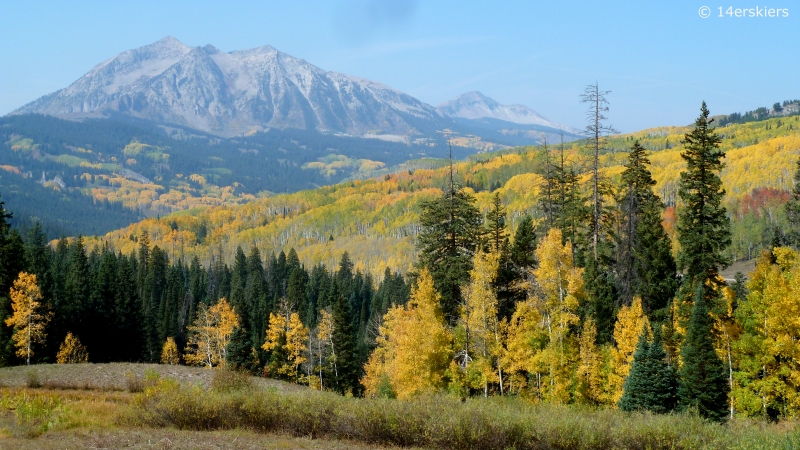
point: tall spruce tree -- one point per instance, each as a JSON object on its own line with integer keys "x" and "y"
{"x": 347, "y": 370}
{"x": 703, "y": 378}
{"x": 11, "y": 264}
{"x": 703, "y": 224}
{"x": 452, "y": 230}
{"x": 645, "y": 265}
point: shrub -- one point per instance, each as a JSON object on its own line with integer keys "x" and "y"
{"x": 230, "y": 380}
{"x": 32, "y": 379}
{"x": 438, "y": 421}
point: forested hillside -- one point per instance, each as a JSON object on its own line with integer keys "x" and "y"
{"x": 151, "y": 170}
{"x": 377, "y": 220}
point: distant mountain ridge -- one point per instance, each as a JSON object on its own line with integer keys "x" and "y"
{"x": 475, "y": 105}
{"x": 238, "y": 92}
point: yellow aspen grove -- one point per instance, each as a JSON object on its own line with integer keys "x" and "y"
{"x": 210, "y": 335}
{"x": 413, "y": 345}
{"x": 169, "y": 353}
{"x": 631, "y": 320}
{"x": 27, "y": 318}
{"x": 560, "y": 291}
{"x": 769, "y": 349}
{"x": 525, "y": 341}
{"x": 482, "y": 335}
{"x": 72, "y": 351}
{"x": 590, "y": 386}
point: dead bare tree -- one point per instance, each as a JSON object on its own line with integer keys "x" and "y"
{"x": 597, "y": 131}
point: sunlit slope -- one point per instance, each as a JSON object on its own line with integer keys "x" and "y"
{"x": 376, "y": 220}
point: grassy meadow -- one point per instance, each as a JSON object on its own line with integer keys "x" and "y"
{"x": 135, "y": 405}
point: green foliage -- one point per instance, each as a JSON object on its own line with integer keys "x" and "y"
{"x": 452, "y": 230}
{"x": 703, "y": 224}
{"x": 241, "y": 355}
{"x": 703, "y": 379}
{"x": 792, "y": 208}
{"x": 645, "y": 264}
{"x": 652, "y": 383}
{"x": 347, "y": 369}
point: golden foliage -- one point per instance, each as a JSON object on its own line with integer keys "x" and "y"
{"x": 589, "y": 371}
{"x": 290, "y": 334}
{"x": 560, "y": 286}
{"x": 482, "y": 334}
{"x": 169, "y": 353}
{"x": 27, "y": 318}
{"x": 72, "y": 351}
{"x": 631, "y": 320}
{"x": 210, "y": 335}
{"x": 413, "y": 345}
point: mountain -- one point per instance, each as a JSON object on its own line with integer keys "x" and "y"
{"x": 241, "y": 92}
{"x": 474, "y": 105}
{"x": 234, "y": 93}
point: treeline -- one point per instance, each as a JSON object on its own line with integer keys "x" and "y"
{"x": 61, "y": 213}
{"x": 126, "y": 308}
{"x": 762, "y": 113}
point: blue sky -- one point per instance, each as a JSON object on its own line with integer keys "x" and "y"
{"x": 659, "y": 59}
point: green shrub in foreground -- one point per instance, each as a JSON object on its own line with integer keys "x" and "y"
{"x": 441, "y": 421}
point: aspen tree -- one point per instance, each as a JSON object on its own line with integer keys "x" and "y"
{"x": 631, "y": 320}
{"x": 72, "y": 351}
{"x": 169, "y": 353}
{"x": 210, "y": 335}
{"x": 413, "y": 345}
{"x": 560, "y": 286}
{"x": 28, "y": 320}
{"x": 482, "y": 334}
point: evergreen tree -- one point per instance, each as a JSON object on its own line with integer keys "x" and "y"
{"x": 100, "y": 309}
{"x": 601, "y": 291}
{"x": 651, "y": 384}
{"x": 636, "y": 384}
{"x": 241, "y": 355}
{"x": 344, "y": 343}
{"x": 127, "y": 313}
{"x": 703, "y": 379}
{"x": 451, "y": 232}
{"x": 703, "y": 224}
{"x": 11, "y": 264}
{"x": 77, "y": 288}
{"x": 793, "y": 211}
{"x": 645, "y": 265}
{"x": 239, "y": 276}
{"x": 38, "y": 256}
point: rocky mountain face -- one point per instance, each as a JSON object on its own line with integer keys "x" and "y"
{"x": 474, "y": 105}
{"x": 240, "y": 92}
{"x": 233, "y": 93}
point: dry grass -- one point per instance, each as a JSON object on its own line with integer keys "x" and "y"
{"x": 168, "y": 439}
{"x": 72, "y": 419}
{"x": 443, "y": 422}
{"x": 116, "y": 376}
{"x": 197, "y": 408}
